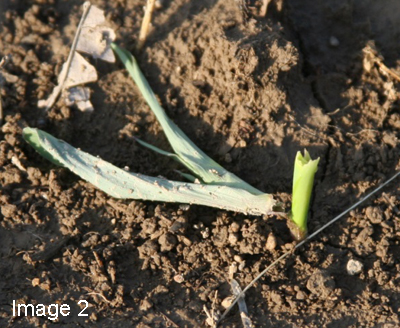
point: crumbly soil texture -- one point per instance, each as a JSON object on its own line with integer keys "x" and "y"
{"x": 250, "y": 90}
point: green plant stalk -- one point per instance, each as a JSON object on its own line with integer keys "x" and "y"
{"x": 186, "y": 152}
{"x": 303, "y": 180}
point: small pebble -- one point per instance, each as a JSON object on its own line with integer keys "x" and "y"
{"x": 354, "y": 267}
{"x": 333, "y": 41}
{"x": 145, "y": 305}
{"x": 205, "y": 233}
{"x": 179, "y": 278}
{"x": 35, "y": 282}
{"x": 235, "y": 227}
{"x": 187, "y": 241}
{"x": 271, "y": 242}
{"x": 233, "y": 238}
{"x": 184, "y": 207}
{"x": 300, "y": 295}
{"x": 227, "y": 301}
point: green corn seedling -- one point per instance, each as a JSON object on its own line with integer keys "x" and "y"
{"x": 186, "y": 151}
{"x": 216, "y": 186}
{"x": 303, "y": 180}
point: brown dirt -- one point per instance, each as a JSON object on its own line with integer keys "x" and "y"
{"x": 251, "y": 92}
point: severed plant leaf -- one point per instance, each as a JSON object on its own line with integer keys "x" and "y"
{"x": 209, "y": 171}
{"x": 122, "y": 184}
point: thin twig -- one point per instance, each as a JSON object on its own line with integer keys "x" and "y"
{"x": 2, "y": 63}
{"x": 60, "y": 87}
{"x": 305, "y": 241}
{"x": 242, "y": 305}
{"x": 370, "y": 49}
{"x": 168, "y": 319}
{"x": 383, "y": 67}
{"x": 101, "y": 295}
{"x": 146, "y": 23}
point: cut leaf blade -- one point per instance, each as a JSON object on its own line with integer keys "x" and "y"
{"x": 122, "y": 184}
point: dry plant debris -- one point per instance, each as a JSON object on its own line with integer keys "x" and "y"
{"x": 93, "y": 37}
{"x": 144, "y": 30}
{"x": 373, "y": 57}
{"x": 3, "y": 61}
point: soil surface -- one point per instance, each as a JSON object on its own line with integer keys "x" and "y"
{"x": 251, "y": 91}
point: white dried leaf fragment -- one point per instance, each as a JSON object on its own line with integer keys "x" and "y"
{"x": 80, "y": 72}
{"x": 96, "y": 37}
{"x": 80, "y": 96}
{"x": 52, "y": 98}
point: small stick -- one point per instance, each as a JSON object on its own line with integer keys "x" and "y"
{"x": 242, "y": 304}
{"x": 168, "y": 319}
{"x": 2, "y": 63}
{"x": 303, "y": 242}
{"x": 383, "y": 67}
{"x": 101, "y": 295}
{"x": 146, "y": 23}
{"x": 377, "y": 60}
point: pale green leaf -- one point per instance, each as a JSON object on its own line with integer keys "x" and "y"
{"x": 190, "y": 155}
{"x": 122, "y": 184}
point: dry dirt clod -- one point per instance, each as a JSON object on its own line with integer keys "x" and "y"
{"x": 167, "y": 242}
{"x": 374, "y": 214}
{"x": 233, "y": 238}
{"x": 146, "y": 305}
{"x": 271, "y": 242}
{"x": 9, "y": 210}
{"x": 321, "y": 284}
{"x": 149, "y": 248}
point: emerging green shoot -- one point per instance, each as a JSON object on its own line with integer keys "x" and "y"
{"x": 303, "y": 180}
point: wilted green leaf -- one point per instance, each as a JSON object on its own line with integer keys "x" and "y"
{"x": 209, "y": 171}
{"x": 122, "y": 184}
